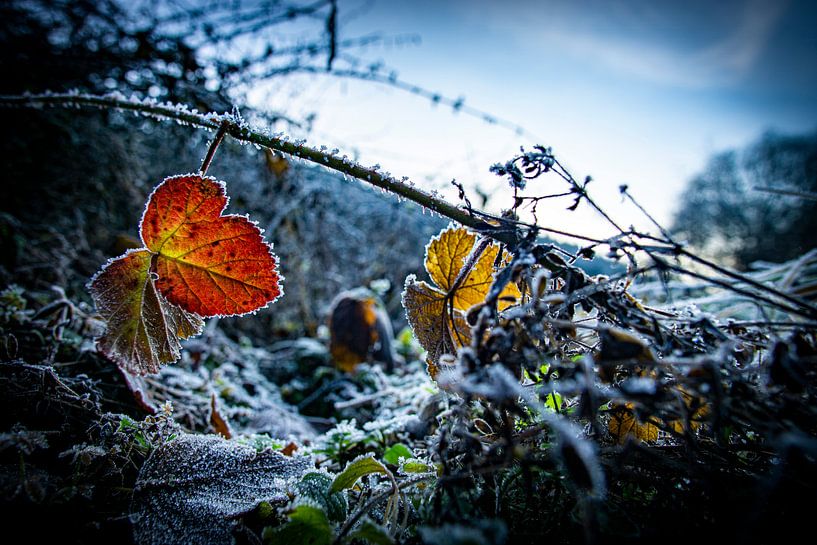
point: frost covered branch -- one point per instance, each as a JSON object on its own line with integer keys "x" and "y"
{"x": 236, "y": 127}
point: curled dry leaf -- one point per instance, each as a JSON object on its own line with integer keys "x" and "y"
{"x": 197, "y": 263}
{"x": 359, "y": 330}
{"x": 438, "y": 329}
{"x": 623, "y": 421}
{"x": 437, "y": 312}
{"x": 217, "y": 420}
{"x": 143, "y": 328}
{"x": 697, "y": 410}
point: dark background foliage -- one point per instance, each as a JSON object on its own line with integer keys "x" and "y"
{"x": 758, "y": 203}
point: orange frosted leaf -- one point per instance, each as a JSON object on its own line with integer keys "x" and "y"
{"x": 143, "y": 329}
{"x": 207, "y": 263}
{"x": 196, "y": 263}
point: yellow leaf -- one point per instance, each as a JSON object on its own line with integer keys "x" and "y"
{"x": 436, "y": 313}
{"x": 697, "y": 407}
{"x": 439, "y": 328}
{"x": 448, "y": 253}
{"x": 623, "y": 422}
{"x": 478, "y": 282}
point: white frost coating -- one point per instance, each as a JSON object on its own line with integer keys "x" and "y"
{"x": 361, "y": 457}
{"x": 389, "y": 425}
{"x": 192, "y": 490}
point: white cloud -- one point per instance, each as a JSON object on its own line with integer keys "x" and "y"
{"x": 588, "y": 35}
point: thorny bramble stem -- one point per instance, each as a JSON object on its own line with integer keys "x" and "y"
{"x": 240, "y": 131}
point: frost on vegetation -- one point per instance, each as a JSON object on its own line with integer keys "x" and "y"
{"x": 193, "y": 489}
{"x": 23, "y": 440}
{"x": 250, "y": 402}
{"x": 386, "y": 424}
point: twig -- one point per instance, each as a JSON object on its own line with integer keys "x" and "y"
{"x": 742, "y": 291}
{"x": 362, "y": 400}
{"x": 810, "y": 309}
{"x": 331, "y": 30}
{"x": 391, "y": 80}
{"x": 211, "y": 151}
{"x": 624, "y": 191}
{"x": 582, "y": 191}
{"x": 791, "y": 193}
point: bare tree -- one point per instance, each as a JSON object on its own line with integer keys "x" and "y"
{"x": 754, "y": 204}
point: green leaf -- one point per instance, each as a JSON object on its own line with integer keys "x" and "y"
{"x": 142, "y": 440}
{"x": 355, "y": 470}
{"x": 265, "y": 510}
{"x": 372, "y": 533}
{"x": 126, "y": 423}
{"x": 315, "y": 486}
{"x": 553, "y": 400}
{"x": 416, "y": 466}
{"x": 395, "y": 452}
{"x": 194, "y": 488}
{"x": 307, "y": 525}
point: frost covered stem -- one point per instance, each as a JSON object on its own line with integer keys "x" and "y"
{"x": 240, "y": 131}
{"x": 211, "y": 151}
{"x": 372, "y": 177}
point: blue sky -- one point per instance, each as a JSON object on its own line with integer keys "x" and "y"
{"x": 639, "y": 92}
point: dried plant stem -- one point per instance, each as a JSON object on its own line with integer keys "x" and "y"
{"x": 801, "y": 305}
{"x": 377, "y": 498}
